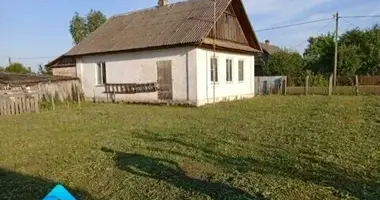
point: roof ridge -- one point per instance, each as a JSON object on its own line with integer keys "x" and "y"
{"x": 151, "y": 8}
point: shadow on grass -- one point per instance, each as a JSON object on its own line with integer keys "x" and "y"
{"x": 17, "y": 186}
{"x": 301, "y": 165}
{"x": 239, "y": 163}
{"x": 170, "y": 172}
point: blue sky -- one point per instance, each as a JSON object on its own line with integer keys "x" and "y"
{"x": 39, "y": 28}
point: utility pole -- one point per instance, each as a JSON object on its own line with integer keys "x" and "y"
{"x": 336, "y": 47}
{"x": 214, "y": 62}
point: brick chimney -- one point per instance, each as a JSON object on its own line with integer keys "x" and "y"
{"x": 267, "y": 42}
{"x": 162, "y": 3}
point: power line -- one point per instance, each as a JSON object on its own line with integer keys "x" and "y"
{"x": 34, "y": 58}
{"x": 362, "y": 16}
{"x": 348, "y": 22}
{"x": 318, "y": 32}
{"x": 296, "y": 24}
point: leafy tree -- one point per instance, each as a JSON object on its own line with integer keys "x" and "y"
{"x": 362, "y": 53}
{"x": 2, "y": 69}
{"x": 46, "y": 70}
{"x": 319, "y": 55}
{"x": 18, "y": 68}
{"x": 349, "y": 60}
{"x": 81, "y": 27}
{"x": 285, "y": 62}
{"x": 78, "y": 28}
{"x": 94, "y": 20}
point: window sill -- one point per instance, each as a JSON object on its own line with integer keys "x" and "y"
{"x": 100, "y": 85}
{"x": 216, "y": 83}
{"x": 230, "y": 82}
{"x": 241, "y": 82}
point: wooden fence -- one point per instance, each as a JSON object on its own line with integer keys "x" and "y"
{"x": 18, "y": 104}
{"x": 346, "y": 85}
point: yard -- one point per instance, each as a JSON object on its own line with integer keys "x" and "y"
{"x": 278, "y": 147}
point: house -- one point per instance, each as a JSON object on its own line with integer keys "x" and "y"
{"x": 262, "y": 58}
{"x": 165, "y": 54}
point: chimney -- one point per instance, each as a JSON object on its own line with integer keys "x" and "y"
{"x": 267, "y": 42}
{"x": 162, "y": 3}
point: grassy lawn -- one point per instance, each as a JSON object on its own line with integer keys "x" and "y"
{"x": 266, "y": 148}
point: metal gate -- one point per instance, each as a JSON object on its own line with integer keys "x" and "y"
{"x": 270, "y": 85}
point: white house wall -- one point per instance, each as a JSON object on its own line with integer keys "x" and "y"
{"x": 141, "y": 67}
{"x": 224, "y": 91}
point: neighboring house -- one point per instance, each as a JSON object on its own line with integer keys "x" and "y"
{"x": 170, "y": 45}
{"x": 262, "y": 58}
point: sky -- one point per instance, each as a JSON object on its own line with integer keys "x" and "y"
{"x": 37, "y": 31}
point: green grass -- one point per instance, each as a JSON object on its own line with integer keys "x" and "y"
{"x": 340, "y": 90}
{"x": 276, "y": 147}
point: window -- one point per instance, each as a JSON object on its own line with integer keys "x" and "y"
{"x": 241, "y": 70}
{"x": 214, "y": 73}
{"x": 101, "y": 78}
{"x": 229, "y": 70}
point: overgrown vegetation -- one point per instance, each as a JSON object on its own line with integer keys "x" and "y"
{"x": 18, "y": 68}
{"x": 266, "y": 148}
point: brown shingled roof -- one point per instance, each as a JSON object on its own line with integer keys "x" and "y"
{"x": 186, "y": 22}
{"x": 271, "y": 49}
{"x": 179, "y": 23}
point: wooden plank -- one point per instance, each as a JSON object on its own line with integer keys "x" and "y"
{"x": 27, "y": 102}
{"x": 331, "y": 84}
{"x": 52, "y": 101}
{"x": 307, "y": 85}
{"x": 356, "y": 85}
{"x": 12, "y": 107}
{"x": 1, "y": 107}
{"x": 20, "y": 103}
{"x": 6, "y": 107}
{"x": 78, "y": 97}
{"x": 36, "y": 104}
{"x": 17, "y": 108}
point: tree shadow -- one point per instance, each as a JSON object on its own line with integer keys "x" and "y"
{"x": 345, "y": 182}
{"x": 17, "y": 186}
{"x": 301, "y": 164}
{"x": 171, "y": 172}
{"x": 238, "y": 163}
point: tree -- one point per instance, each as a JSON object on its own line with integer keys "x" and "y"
{"x": 18, "y": 68}
{"x": 319, "y": 55}
{"x": 46, "y": 70}
{"x": 285, "y": 62}
{"x": 78, "y": 28}
{"x": 349, "y": 60}
{"x": 81, "y": 27}
{"x": 94, "y": 20}
{"x": 2, "y": 69}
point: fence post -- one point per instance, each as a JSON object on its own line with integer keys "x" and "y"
{"x": 285, "y": 87}
{"x": 52, "y": 101}
{"x": 307, "y": 85}
{"x": 331, "y": 84}
{"x": 36, "y": 104}
{"x": 357, "y": 85}
{"x": 78, "y": 95}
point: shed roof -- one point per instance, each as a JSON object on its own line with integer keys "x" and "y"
{"x": 271, "y": 49}
{"x": 187, "y": 22}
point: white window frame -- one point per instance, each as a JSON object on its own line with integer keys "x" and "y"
{"x": 101, "y": 73}
{"x": 230, "y": 70}
{"x": 243, "y": 69}
{"x": 217, "y": 69}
